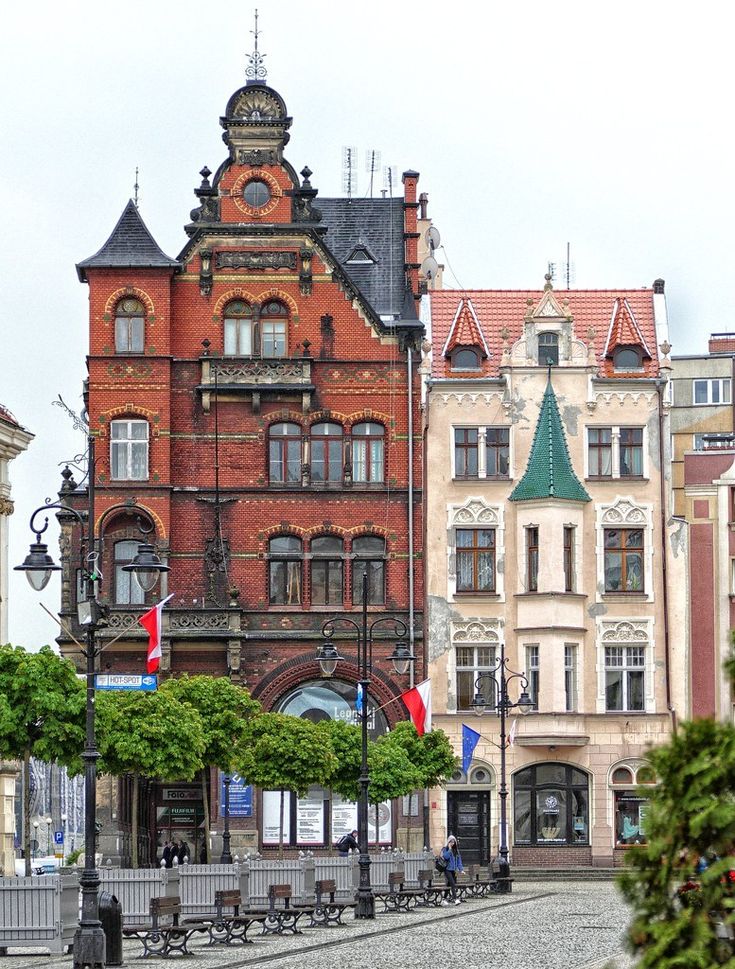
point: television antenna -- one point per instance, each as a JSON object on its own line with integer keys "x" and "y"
{"x": 349, "y": 171}
{"x": 372, "y": 162}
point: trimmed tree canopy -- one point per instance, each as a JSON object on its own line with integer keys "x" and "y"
{"x": 281, "y": 752}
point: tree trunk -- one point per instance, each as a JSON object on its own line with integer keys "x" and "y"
{"x": 280, "y": 828}
{"x": 134, "y": 822}
{"x": 205, "y": 805}
{"x": 27, "y": 809}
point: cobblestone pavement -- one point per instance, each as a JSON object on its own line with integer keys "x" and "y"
{"x": 559, "y": 925}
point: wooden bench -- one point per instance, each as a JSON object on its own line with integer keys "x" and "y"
{"x": 284, "y": 918}
{"x": 483, "y": 880}
{"x": 168, "y": 939}
{"x": 431, "y": 894}
{"x": 398, "y": 898}
{"x": 328, "y": 911}
{"x": 227, "y": 925}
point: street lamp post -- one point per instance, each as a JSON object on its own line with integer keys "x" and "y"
{"x": 401, "y": 658}
{"x": 226, "y": 857}
{"x": 497, "y": 700}
{"x": 89, "y": 939}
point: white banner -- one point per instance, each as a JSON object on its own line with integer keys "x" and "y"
{"x": 272, "y": 817}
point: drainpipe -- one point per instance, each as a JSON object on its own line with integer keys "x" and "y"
{"x": 411, "y": 570}
{"x": 664, "y": 553}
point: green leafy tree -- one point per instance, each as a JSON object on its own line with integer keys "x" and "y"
{"x": 679, "y": 915}
{"x": 225, "y": 710}
{"x": 151, "y": 735}
{"x": 282, "y": 753}
{"x": 42, "y": 714}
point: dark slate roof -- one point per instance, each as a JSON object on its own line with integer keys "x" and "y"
{"x": 549, "y": 473}
{"x": 130, "y": 245}
{"x": 376, "y": 224}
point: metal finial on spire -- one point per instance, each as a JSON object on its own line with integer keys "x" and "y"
{"x": 135, "y": 188}
{"x": 255, "y": 72}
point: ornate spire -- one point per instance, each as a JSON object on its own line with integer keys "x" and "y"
{"x": 256, "y": 71}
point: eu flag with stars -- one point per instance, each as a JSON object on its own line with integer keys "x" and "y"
{"x": 469, "y": 742}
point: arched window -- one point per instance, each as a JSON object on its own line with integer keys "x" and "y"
{"x": 368, "y": 453}
{"x": 327, "y": 573}
{"x": 129, "y": 450}
{"x": 465, "y": 359}
{"x": 548, "y": 349}
{"x": 368, "y": 558}
{"x": 326, "y": 453}
{"x": 284, "y": 553}
{"x": 627, "y": 359}
{"x": 284, "y": 453}
{"x": 551, "y": 803}
{"x": 629, "y": 803}
{"x": 129, "y": 326}
{"x": 273, "y": 329}
{"x": 127, "y": 589}
{"x": 238, "y": 324}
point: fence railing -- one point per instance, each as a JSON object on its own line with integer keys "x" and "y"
{"x": 196, "y": 884}
{"x": 39, "y": 912}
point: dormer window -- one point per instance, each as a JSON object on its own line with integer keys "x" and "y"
{"x": 548, "y": 349}
{"x": 360, "y": 256}
{"x": 465, "y": 358}
{"x": 627, "y": 359}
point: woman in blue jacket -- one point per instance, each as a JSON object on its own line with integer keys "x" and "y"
{"x": 450, "y": 854}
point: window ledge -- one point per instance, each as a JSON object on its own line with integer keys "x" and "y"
{"x": 597, "y": 478}
{"x": 550, "y": 595}
{"x": 625, "y": 597}
{"x": 458, "y": 479}
{"x": 477, "y": 595}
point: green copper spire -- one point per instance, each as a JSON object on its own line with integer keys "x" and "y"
{"x": 549, "y": 473}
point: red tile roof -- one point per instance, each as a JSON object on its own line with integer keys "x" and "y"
{"x": 7, "y": 416}
{"x": 499, "y": 309}
{"x": 466, "y": 330}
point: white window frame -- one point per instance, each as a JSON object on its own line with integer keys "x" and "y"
{"x": 627, "y": 632}
{"x": 475, "y": 512}
{"x": 624, "y": 512}
{"x": 470, "y": 632}
{"x": 481, "y": 451}
{"x": 615, "y": 429}
{"x": 571, "y": 676}
{"x": 476, "y": 667}
{"x": 128, "y": 445}
{"x": 532, "y": 654}
{"x": 724, "y": 391}
{"x": 725, "y": 436}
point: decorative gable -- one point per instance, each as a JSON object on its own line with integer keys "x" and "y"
{"x": 466, "y": 331}
{"x": 625, "y": 344}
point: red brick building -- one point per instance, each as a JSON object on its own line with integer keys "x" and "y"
{"x": 256, "y": 401}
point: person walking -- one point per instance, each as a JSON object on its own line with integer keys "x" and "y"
{"x": 346, "y": 844}
{"x": 166, "y": 856}
{"x": 450, "y": 854}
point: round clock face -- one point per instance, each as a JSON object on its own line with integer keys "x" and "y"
{"x": 257, "y": 193}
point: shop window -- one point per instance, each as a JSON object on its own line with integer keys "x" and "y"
{"x": 629, "y": 803}
{"x": 326, "y": 453}
{"x": 475, "y": 553}
{"x": 127, "y": 589}
{"x": 471, "y": 661}
{"x": 284, "y": 454}
{"x": 551, "y": 805}
{"x": 238, "y": 328}
{"x": 327, "y": 579}
{"x": 368, "y": 453}
{"x": 129, "y": 450}
{"x": 368, "y": 558}
{"x": 624, "y": 560}
{"x": 129, "y": 326}
{"x": 284, "y": 553}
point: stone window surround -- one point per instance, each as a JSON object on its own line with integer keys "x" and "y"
{"x": 625, "y": 512}
{"x": 475, "y": 512}
{"x": 469, "y": 632}
{"x": 632, "y": 631}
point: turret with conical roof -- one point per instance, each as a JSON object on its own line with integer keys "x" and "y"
{"x": 130, "y": 245}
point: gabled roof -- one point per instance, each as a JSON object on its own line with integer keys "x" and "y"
{"x": 8, "y": 416}
{"x": 466, "y": 330}
{"x": 375, "y": 225}
{"x": 502, "y": 316}
{"x": 549, "y": 472}
{"x": 624, "y": 330}
{"x": 130, "y": 246}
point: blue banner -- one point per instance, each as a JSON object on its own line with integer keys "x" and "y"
{"x": 470, "y": 738}
{"x": 241, "y": 797}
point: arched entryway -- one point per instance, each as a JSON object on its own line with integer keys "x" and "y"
{"x": 468, "y": 812}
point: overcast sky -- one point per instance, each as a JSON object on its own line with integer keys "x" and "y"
{"x": 532, "y": 125}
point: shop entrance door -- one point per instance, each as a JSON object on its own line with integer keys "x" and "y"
{"x": 469, "y": 821}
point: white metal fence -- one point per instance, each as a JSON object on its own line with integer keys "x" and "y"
{"x": 39, "y": 912}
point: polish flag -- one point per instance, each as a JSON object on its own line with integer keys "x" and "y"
{"x": 151, "y": 622}
{"x": 418, "y": 701}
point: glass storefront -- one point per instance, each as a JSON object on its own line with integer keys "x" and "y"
{"x": 551, "y": 805}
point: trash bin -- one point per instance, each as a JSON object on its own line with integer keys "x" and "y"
{"x": 110, "y": 914}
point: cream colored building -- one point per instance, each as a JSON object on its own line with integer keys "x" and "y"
{"x": 548, "y": 531}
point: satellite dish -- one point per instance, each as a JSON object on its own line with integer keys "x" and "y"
{"x": 429, "y": 267}
{"x": 433, "y": 237}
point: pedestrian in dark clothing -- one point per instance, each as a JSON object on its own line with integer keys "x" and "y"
{"x": 166, "y": 856}
{"x": 175, "y": 860}
{"x": 183, "y": 852}
{"x": 347, "y": 843}
{"x": 450, "y": 854}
